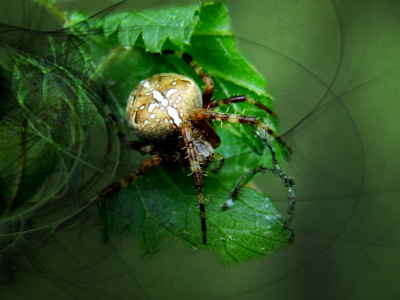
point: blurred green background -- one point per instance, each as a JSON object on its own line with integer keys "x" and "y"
{"x": 333, "y": 67}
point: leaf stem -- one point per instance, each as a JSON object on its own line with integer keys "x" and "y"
{"x": 105, "y": 61}
{"x": 54, "y": 10}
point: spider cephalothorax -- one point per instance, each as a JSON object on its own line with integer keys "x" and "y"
{"x": 172, "y": 117}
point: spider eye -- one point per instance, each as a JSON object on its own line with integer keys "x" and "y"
{"x": 158, "y": 105}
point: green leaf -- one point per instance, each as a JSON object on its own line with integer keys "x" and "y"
{"x": 155, "y": 26}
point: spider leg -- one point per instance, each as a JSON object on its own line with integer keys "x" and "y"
{"x": 239, "y": 186}
{"x": 221, "y": 162}
{"x": 287, "y": 181}
{"x": 233, "y": 118}
{"x": 209, "y": 83}
{"x": 197, "y": 172}
{"x": 238, "y": 99}
{"x": 150, "y": 162}
{"x": 201, "y": 114}
{"x": 142, "y": 147}
{"x": 208, "y": 132}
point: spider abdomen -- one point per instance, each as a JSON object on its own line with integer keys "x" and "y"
{"x": 159, "y": 104}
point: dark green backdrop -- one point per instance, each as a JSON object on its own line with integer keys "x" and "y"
{"x": 333, "y": 67}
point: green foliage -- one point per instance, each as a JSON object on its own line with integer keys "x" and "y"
{"x": 46, "y": 109}
{"x": 163, "y": 203}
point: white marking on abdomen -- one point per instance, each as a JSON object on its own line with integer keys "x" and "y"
{"x": 164, "y": 102}
{"x": 158, "y": 96}
{"x": 173, "y": 113}
{"x": 170, "y": 92}
{"x": 152, "y": 106}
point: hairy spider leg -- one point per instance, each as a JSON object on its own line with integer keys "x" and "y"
{"x": 142, "y": 147}
{"x": 209, "y": 87}
{"x": 235, "y": 118}
{"x": 221, "y": 161}
{"x": 197, "y": 173}
{"x": 239, "y": 185}
{"x": 287, "y": 181}
{"x": 238, "y": 99}
{"x": 208, "y": 132}
{"x": 209, "y": 91}
{"x": 110, "y": 190}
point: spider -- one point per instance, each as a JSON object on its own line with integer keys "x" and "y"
{"x": 171, "y": 116}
